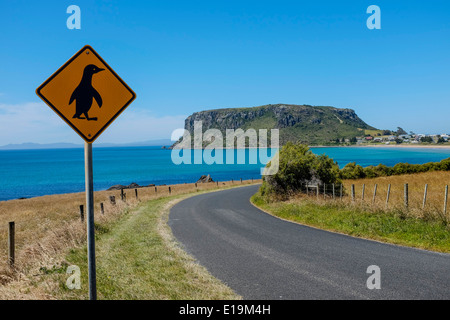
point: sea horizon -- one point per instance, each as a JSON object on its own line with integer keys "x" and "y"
{"x": 38, "y": 172}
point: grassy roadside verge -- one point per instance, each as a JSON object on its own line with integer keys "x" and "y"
{"x": 49, "y": 227}
{"x": 138, "y": 258}
{"x": 392, "y": 227}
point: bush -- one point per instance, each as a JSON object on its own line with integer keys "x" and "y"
{"x": 352, "y": 171}
{"x": 297, "y": 166}
{"x": 382, "y": 170}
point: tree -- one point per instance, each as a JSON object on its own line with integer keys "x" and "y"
{"x": 426, "y": 139}
{"x": 400, "y": 131}
{"x": 297, "y": 166}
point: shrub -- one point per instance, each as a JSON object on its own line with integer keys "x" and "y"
{"x": 297, "y": 166}
{"x": 352, "y": 171}
{"x": 382, "y": 170}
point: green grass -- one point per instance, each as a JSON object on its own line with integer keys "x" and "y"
{"x": 374, "y": 132}
{"x": 391, "y": 227}
{"x": 138, "y": 258}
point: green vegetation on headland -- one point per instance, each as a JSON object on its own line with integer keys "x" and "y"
{"x": 311, "y": 125}
{"x": 283, "y": 195}
{"x": 296, "y": 123}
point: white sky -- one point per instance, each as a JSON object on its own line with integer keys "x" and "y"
{"x": 37, "y": 123}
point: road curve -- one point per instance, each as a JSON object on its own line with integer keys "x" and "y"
{"x": 263, "y": 257}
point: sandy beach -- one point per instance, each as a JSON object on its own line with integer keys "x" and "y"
{"x": 417, "y": 146}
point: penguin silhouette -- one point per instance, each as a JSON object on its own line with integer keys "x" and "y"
{"x": 85, "y": 93}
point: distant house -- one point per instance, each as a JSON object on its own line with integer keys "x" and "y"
{"x": 369, "y": 138}
{"x": 377, "y": 139}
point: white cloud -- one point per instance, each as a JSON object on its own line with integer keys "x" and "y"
{"x": 31, "y": 122}
{"x": 36, "y": 122}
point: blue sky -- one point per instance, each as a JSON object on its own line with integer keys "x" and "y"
{"x": 186, "y": 56}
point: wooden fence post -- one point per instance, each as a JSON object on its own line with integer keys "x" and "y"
{"x": 170, "y": 190}
{"x": 340, "y": 193}
{"x": 121, "y": 194}
{"x": 425, "y": 196}
{"x": 102, "y": 209}
{"x": 324, "y": 190}
{"x": 241, "y": 180}
{"x": 387, "y": 196}
{"x": 317, "y": 191}
{"x": 374, "y": 193}
{"x": 334, "y": 194}
{"x": 445, "y": 200}
{"x": 353, "y": 192}
{"x": 156, "y": 189}
{"x": 136, "y": 192}
{"x": 363, "y": 188}
{"x": 11, "y": 243}
{"x": 406, "y": 196}
{"x": 82, "y": 212}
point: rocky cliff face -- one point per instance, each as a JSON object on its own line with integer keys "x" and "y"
{"x": 307, "y": 124}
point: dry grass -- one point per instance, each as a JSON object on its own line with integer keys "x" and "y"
{"x": 426, "y": 228}
{"x": 434, "y": 206}
{"x": 46, "y": 227}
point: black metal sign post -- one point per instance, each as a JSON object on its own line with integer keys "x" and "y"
{"x": 89, "y": 177}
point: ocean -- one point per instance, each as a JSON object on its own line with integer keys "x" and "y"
{"x": 31, "y": 173}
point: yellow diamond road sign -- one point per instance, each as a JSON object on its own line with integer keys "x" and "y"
{"x": 86, "y": 93}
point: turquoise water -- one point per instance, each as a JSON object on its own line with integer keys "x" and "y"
{"x": 30, "y": 173}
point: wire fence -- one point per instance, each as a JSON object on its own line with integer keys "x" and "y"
{"x": 419, "y": 200}
{"x": 44, "y": 226}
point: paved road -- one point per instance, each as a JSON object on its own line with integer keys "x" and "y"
{"x": 262, "y": 257}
